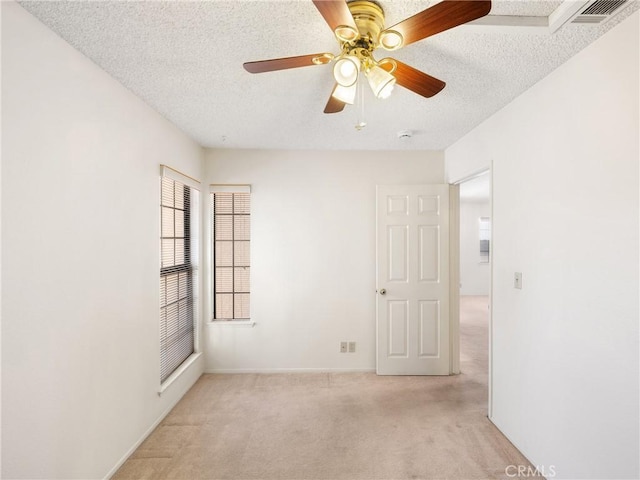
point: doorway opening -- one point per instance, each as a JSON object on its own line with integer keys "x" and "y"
{"x": 475, "y": 254}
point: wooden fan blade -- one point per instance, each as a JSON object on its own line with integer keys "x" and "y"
{"x": 334, "y": 105}
{"x": 336, "y": 13}
{"x": 442, "y": 16}
{"x": 287, "y": 62}
{"x": 415, "y": 80}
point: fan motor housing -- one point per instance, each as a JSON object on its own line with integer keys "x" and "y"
{"x": 369, "y": 18}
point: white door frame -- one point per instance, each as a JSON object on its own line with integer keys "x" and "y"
{"x": 454, "y": 279}
{"x": 454, "y": 209}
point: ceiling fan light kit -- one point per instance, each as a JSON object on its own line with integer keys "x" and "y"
{"x": 359, "y": 27}
{"x": 345, "y": 94}
{"x": 380, "y": 81}
{"x": 346, "y": 70}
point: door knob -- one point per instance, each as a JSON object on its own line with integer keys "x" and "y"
{"x": 383, "y": 291}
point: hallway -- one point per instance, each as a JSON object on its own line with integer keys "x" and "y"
{"x": 474, "y": 337}
{"x": 335, "y": 425}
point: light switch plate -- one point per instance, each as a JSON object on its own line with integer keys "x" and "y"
{"x": 517, "y": 280}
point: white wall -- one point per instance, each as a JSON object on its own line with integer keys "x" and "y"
{"x": 565, "y": 213}
{"x": 80, "y": 348}
{"x": 313, "y": 255}
{"x": 0, "y": 257}
{"x": 475, "y": 277}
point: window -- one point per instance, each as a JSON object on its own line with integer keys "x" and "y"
{"x": 178, "y": 280}
{"x": 231, "y": 251}
{"x": 485, "y": 239}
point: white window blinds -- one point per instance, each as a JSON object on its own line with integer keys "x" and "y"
{"x": 231, "y": 208}
{"x": 178, "y": 271}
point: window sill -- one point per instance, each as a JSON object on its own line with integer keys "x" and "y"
{"x": 233, "y": 323}
{"x": 179, "y": 371}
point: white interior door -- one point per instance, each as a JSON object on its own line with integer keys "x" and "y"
{"x": 412, "y": 280}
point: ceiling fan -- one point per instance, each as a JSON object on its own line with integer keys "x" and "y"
{"x": 359, "y": 28}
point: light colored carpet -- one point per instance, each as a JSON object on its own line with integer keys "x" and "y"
{"x": 335, "y": 425}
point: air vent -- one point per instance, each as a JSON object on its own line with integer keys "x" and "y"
{"x": 599, "y": 11}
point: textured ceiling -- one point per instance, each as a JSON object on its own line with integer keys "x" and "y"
{"x": 185, "y": 60}
{"x": 520, "y": 7}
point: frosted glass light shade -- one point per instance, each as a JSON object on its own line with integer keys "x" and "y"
{"x": 381, "y": 82}
{"x": 346, "y": 70}
{"x": 345, "y": 94}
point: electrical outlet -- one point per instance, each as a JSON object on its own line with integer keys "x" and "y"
{"x": 343, "y": 347}
{"x": 517, "y": 280}
{"x": 352, "y": 347}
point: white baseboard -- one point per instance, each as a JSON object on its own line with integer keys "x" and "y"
{"x": 144, "y": 436}
{"x": 289, "y": 370}
{"x": 524, "y": 454}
